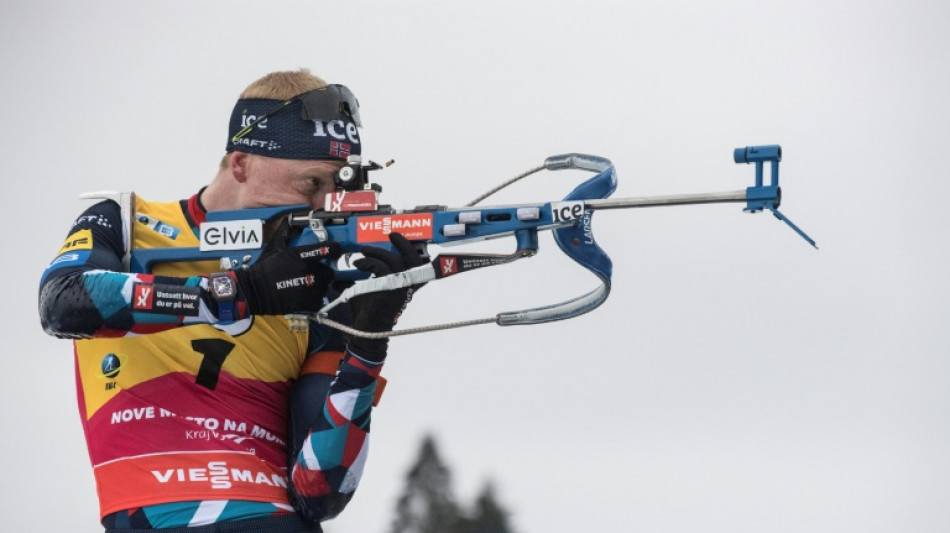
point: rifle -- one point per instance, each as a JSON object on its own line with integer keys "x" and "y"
{"x": 354, "y": 218}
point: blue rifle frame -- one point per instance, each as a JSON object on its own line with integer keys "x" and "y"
{"x": 570, "y": 219}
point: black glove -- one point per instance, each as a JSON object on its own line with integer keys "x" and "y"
{"x": 287, "y": 280}
{"x": 379, "y": 311}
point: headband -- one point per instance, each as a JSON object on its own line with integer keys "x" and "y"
{"x": 297, "y": 128}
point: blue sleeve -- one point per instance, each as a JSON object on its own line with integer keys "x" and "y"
{"x": 85, "y": 293}
{"x": 94, "y": 242}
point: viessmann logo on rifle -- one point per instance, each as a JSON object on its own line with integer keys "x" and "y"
{"x": 415, "y": 226}
{"x": 231, "y": 235}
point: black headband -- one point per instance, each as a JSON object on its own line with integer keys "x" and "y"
{"x": 319, "y": 124}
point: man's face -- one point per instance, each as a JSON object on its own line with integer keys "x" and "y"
{"x": 276, "y": 182}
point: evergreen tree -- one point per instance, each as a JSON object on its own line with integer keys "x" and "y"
{"x": 427, "y": 504}
{"x": 487, "y": 516}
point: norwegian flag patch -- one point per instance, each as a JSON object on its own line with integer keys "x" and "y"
{"x": 339, "y": 149}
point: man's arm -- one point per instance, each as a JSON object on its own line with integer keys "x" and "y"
{"x": 84, "y": 293}
{"x": 330, "y": 437}
{"x": 330, "y": 408}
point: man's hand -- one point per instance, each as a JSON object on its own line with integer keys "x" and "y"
{"x": 379, "y": 311}
{"x": 287, "y": 280}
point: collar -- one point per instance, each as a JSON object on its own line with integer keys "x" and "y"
{"x": 194, "y": 210}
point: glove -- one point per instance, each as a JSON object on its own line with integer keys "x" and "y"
{"x": 379, "y": 311}
{"x": 286, "y": 280}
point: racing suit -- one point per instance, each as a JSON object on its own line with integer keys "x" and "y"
{"x": 190, "y": 420}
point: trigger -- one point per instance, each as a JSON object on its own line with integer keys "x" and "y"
{"x": 346, "y": 260}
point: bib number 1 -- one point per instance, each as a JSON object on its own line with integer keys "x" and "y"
{"x": 215, "y": 351}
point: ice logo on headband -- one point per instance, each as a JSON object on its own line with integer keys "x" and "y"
{"x": 247, "y": 120}
{"x": 338, "y": 129}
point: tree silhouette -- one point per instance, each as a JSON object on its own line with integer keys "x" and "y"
{"x": 487, "y": 516}
{"x": 427, "y": 504}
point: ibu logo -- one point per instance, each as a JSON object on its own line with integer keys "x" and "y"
{"x": 111, "y": 365}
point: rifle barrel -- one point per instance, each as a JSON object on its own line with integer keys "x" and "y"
{"x": 672, "y": 199}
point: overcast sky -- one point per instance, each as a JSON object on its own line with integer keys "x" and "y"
{"x": 736, "y": 380}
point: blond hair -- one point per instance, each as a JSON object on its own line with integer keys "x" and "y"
{"x": 279, "y": 85}
{"x": 283, "y": 85}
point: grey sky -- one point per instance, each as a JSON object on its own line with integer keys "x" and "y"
{"x": 736, "y": 380}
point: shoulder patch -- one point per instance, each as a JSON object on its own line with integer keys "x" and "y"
{"x": 157, "y": 226}
{"x": 81, "y": 240}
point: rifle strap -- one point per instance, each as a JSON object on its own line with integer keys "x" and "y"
{"x": 126, "y": 201}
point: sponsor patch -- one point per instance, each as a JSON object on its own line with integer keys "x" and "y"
{"x": 415, "y": 226}
{"x": 220, "y": 475}
{"x": 293, "y": 283}
{"x": 317, "y": 253}
{"x": 567, "y": 211}
{"x": 231, "y": 235}
{"x": 166, "y": 299}
{"x": 66, "y": 260}
{"x": 350, "y": 201}
{"x": 143, "y": 297}
{"x": 454, "y": 264}
{"x": 158, "y": 226}
{"x": 81, "y": 240}
{"x": 69, "y": 259}
{"x": 448, "y": 265}
{"x": 93, "y": 219}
